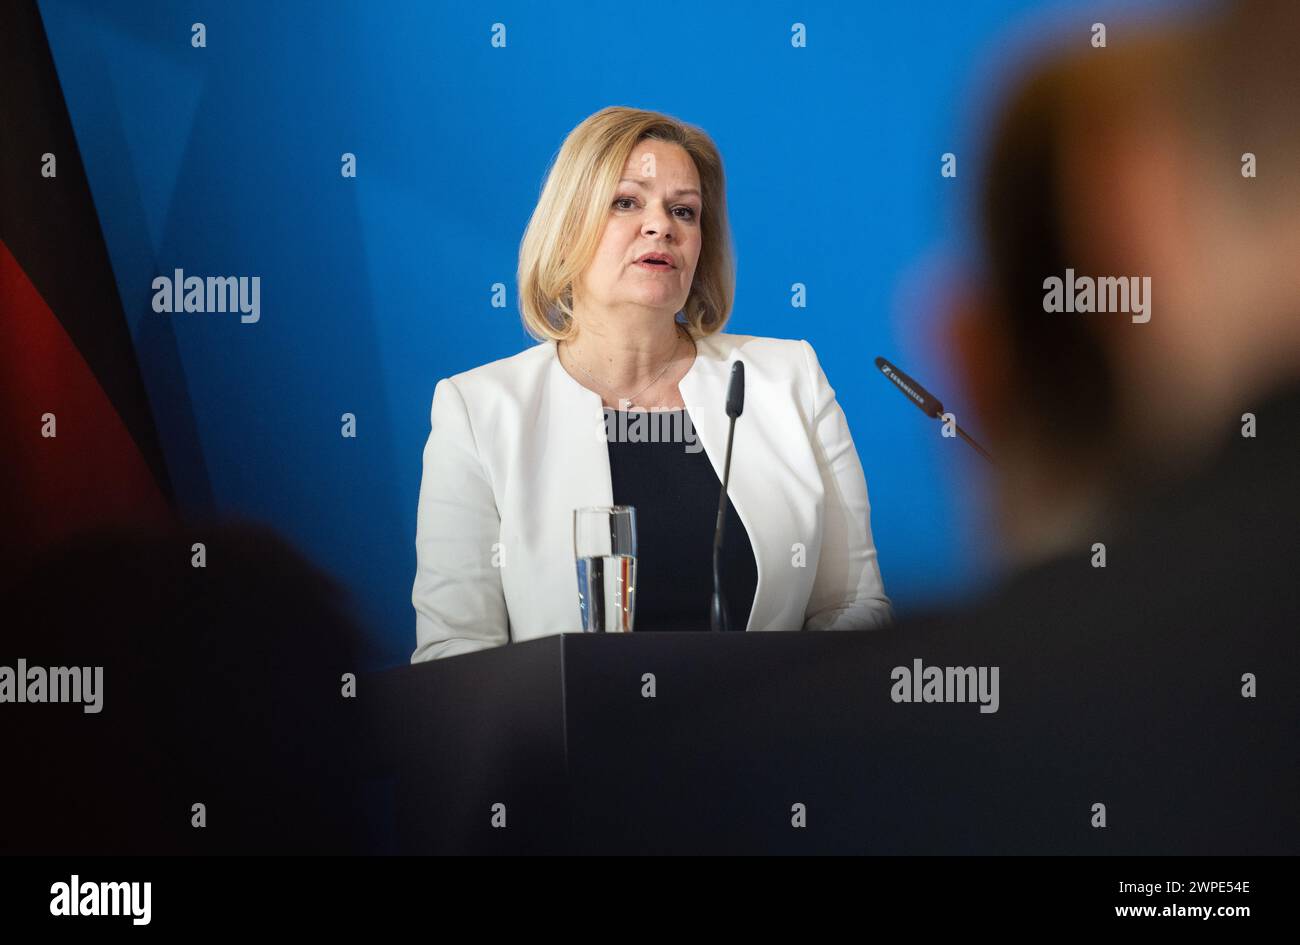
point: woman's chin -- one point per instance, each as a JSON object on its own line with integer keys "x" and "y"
{"x": 659, "y": 299}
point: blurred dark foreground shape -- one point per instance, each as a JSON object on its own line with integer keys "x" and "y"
{"x": 1160, "y": 691}
{"x": 222, "y": 686}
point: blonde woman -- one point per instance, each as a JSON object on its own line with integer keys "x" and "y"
{"x": 626, "y": 278}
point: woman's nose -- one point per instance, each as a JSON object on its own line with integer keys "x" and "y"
{"x": 657, "y": 222}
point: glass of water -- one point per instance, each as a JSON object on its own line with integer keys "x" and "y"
{"x": 604, "y": 543}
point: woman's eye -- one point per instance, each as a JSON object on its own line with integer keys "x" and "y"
{"x": 620, "y": 202}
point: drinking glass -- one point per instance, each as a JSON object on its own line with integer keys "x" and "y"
{"x": 604, "y": 544}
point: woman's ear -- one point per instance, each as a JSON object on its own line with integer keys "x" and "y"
{"x": 972, "y": 333}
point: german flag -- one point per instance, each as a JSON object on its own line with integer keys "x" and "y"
{"x": 78, "y": 445}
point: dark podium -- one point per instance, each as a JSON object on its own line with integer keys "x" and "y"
{"x": 772, "y": 742}
{"x": 792, "y": 742}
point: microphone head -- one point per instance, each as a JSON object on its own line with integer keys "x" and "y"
{"x": 913, "y": 391}
{"x": 736, "y": 390}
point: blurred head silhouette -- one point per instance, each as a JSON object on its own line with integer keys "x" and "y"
{"x": 1172, "y": 156}
{"x": 220, "y": 687}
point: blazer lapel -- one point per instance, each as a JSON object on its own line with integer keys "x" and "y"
{"x": 567, "y": 463}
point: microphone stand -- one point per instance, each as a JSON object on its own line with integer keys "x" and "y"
{"x": 718, "y": 619}
{"x": 718, "y": 615}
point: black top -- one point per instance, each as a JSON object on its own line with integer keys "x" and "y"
{"x": 657, "y": 464}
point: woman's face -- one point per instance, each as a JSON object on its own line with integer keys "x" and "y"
{"x": 656, "y": 209}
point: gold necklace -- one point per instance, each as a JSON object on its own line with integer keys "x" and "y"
{"x": 630, "y": 401}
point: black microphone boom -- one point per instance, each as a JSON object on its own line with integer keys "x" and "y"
{"x": 735, "y": 407}
{"x": 926, "y": 401}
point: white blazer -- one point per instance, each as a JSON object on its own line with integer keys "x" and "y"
{"x": 516, "y": 445}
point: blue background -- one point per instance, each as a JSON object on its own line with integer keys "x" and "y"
{"x": 225, "y": 160}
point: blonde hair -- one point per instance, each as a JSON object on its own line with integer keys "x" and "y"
{"x": 564, "y": 231}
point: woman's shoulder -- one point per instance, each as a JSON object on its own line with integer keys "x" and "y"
{"x": 514, "y": 371}
{"x": 522, "y": 374}
{"x": 766, "y": 353}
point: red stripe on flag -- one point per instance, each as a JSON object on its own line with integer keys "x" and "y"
{"x": 91, "y": 473}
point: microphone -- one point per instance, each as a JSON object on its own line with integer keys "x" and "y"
{"x": 735, "y": 406}
{"x": 929, "y": 404}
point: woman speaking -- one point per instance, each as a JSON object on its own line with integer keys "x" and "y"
{"x": 626, "y": 278}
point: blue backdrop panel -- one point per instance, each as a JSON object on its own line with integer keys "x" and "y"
{"x": 225, "y": 160}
